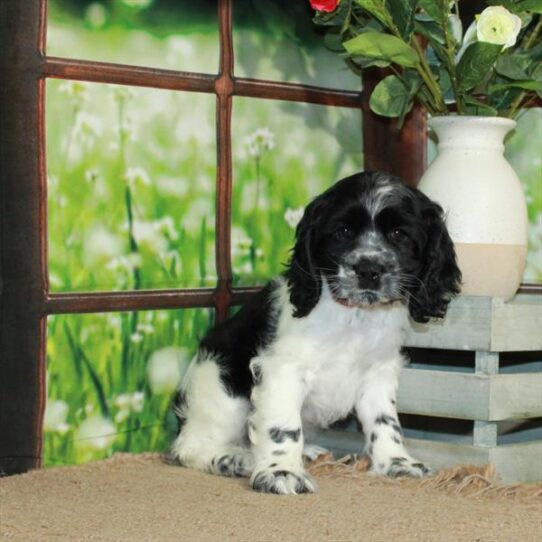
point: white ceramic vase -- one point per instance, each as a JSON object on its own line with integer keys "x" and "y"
{"x": 484, "y": 202}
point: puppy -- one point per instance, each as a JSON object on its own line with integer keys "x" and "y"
{"x": 322, "y": 340}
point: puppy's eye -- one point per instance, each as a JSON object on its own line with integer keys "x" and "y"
{"x": 397, "y": 235}
{"x": 343, "y": 233}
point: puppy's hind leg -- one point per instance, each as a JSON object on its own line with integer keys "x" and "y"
{"x": 213, "y": 425}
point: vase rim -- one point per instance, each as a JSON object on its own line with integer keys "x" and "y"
{"x": 458, "y": 119}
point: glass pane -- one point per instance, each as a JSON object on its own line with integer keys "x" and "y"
{"x": 170, "y": 34}
{"x": 131, "y": 187}
{"x": 277, "y": 40}
{"x": 524, "y": 152}
{"x": 111, "y": 379}
{"x": 284, "y": 154}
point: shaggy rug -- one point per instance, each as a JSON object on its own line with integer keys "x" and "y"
{"x": 141, "y": 498}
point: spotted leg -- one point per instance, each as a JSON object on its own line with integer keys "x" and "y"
{"x": 275, "y": 431}
{"x": 377, "y": 412}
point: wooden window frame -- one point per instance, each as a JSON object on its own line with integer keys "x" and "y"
{"x": 26, "y": 300}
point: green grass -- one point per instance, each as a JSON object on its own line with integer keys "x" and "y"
{"x": 131, "y": 199}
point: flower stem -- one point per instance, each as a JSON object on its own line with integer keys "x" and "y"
{"x": 452, "y": 68}
{"x": 428, "y": 78}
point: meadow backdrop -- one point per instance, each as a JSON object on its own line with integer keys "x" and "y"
{"x": 131, "y": 197}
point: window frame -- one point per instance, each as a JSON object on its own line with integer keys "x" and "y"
{"x": 26, "y": 301}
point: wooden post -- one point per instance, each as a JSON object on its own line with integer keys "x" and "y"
{"x": 23, "y": 271}
{"x": 401, "y": 152}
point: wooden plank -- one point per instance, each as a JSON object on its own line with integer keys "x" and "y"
{"x": 466, "y": 327}
{"x": 484, "y": 324}
{"x": 518, "y": 462}
{"x": 470, "y": 396}
{"x": 515, "y": 396}
{"x": 517, "y": 325}
{"x": 444, "y": 393}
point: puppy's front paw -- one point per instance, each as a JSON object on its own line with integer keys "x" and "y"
{"x": 274, "y": 479}
{"x": 402, "y": 466}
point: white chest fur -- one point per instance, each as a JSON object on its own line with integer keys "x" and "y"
{"x": 334, "y": 348}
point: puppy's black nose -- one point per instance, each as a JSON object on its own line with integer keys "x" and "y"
{"x": 369, "y": 274}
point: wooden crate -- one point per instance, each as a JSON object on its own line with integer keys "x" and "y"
{"x": 483, "y": 393}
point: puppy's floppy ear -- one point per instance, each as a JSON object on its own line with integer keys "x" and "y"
{"x": 304, "y": 279}
{"x": 440, "y": 276}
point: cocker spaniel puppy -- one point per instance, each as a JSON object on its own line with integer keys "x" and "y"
{"x": 322, "y": 340}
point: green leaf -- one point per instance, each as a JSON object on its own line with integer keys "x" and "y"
{"x": 380, "y": 46}
{"x": 534, "y": 6}
{"x": 377, "y": 8}
{"x": 525, "y": 85}
{"x": 402, "y": 12}
{"x": 476, "y": 62}
{"x": 438, "y": 10}
{"x": 431, "y": 30}
{"x": 391, "y": 98}
{"x": 478, "y": 108}
{"x": 364, "y": 63}
{"x": 513, "y": 66}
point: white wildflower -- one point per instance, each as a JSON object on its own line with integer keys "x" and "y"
{"x": 92, "y": 175}
{"x": 171, "y": 186}
{"x": 149, "y": 234}
{"x": 166, "y": 367}
{"x": 75, "y": 90}
{"x": 166, "y": 226}
{"x": 293, "y": 216}
{"x": 136, "y": 338}
{"x": 121, "y": 93}
{"x": 101, "y": 245}
{"x": 135, "y": 175}
{"x": 128, "y": 403}
{"x": 87, "y": 127}
{"x": 127, "y": 263}
{"x": 241, "y": 243}
{"x": 96, "y": 432}
{"x": 497, "y": 25}
{"x": 56, "y": 412}
{"x": 260, "y": 141}
{"x": 96, "y": 15}
{"x": 137, "y": 401}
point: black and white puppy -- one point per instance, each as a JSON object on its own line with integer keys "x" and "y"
{"x": 322, "y": 340}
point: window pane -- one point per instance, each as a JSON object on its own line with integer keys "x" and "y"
{"x": 277, "y": 40}
{"x": 111, "y": 379}
{"x": 170, "y": 34}
{"x": 524, "y": 152}
{"x": 284, "y": 155}
{"x": 131, "y": 187}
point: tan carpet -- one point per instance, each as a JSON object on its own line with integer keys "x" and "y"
{"x": 137, "y": 498}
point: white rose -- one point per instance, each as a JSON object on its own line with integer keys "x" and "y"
{"x": 497, "y": 25}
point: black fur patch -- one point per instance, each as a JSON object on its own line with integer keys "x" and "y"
{"x": 278, "y": 452}
{"x": 237, "y": 340}
{"x": 279, "y": 435}
{"x": 385, "y": 419}
{"x": 266, "y": 482}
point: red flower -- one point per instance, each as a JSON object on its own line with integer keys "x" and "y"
{"x": 324, "y": 5}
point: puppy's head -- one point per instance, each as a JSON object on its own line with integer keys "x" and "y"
{"x": 374, "y": 240}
